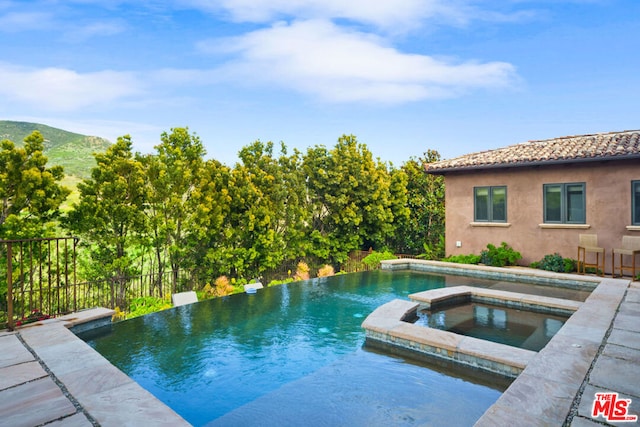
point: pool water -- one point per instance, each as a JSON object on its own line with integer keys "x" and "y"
{"x": 525, "y": 329}
{"x": 298, "y": 347}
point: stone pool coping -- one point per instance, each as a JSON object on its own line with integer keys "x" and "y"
{"x": 510, "y": 299}
{"x": 390, "y": 324}
{"x": 554, "y": 378}
{"x": 52, "y": 377}
{"x": 520, "y": 274}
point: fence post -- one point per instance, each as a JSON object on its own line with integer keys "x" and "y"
{"x": 9, "y": 287}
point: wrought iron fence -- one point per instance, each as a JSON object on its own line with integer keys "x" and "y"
{"x": 39, "y": 277}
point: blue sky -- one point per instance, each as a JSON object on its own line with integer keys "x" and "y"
{"x": 404, "y": 76}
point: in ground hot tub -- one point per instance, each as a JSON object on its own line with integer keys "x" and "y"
{"x": 522, "y": 328}
{"x": 397, "y": 324}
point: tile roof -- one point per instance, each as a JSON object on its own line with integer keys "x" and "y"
{"x": 568, "y": 149}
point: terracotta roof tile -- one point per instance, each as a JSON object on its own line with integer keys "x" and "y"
{"x": 568, "y": 149}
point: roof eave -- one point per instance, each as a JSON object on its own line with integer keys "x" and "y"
{"x": 443, "y": 171}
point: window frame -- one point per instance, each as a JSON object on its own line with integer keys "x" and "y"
{"x": 635, "y": 202}
{"x": 490, "y": 204}
{"x": 564, "y": 203}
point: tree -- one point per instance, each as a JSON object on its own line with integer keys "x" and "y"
{"x": 211, "y": 229}
{"x": 173, "y": 177}
{"x": 29, "y": 192}
{"x": 350, "y": 199}
{"x": 423, "y": 230}
{"x": 110, "y": 214}
{"x": 266, "y": 218}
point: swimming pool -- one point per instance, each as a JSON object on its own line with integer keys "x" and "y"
{"x": 294, "y": 353}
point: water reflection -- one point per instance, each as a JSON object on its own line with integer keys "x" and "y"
{"x": 519, "y": 328}
{"x": 207, "y": 359}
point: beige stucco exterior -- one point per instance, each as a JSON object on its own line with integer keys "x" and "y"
{"x": 608, "y": 209}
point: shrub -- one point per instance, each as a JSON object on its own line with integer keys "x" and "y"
{"x": 499, "y": 256}
{"x": 145, "y": 305}
{"x": 552, "y": 262}
{"x": 555, "y": 262}
{"x": 302, "y": 271}
{"x": 222, "y": 286}
{"x": 118, "y": 315}
{"x": 326, "y": 270}
{"x": 569, "y": 265}
{"x": 280, "y": 282}
{"x": 463, "y": 259}
{"x": 373, "y": 259}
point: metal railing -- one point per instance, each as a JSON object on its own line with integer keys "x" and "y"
{"x": 37, "y": 275}
{"x": 40, "y": 279}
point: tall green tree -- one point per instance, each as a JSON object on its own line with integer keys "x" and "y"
{"x": 174, "y": 176}
{"x": 266, "y": 217}
{"x": 422, "y": 232}
{"x": 350, "y": 199}
{"x": 211, "y": 227}
{"x": 30, "y": 194}
{"x": 109, "y": 215}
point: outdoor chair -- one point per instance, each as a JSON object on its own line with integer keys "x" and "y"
{"x": 588, "y": 244}
{"x": 184, "y": 298}
{"x": 630, "y": 246}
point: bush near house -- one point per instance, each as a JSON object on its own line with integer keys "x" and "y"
{"x": 463, "y": 259}
{"x": 555, "y": 262}
{"x": 500, "y": 256}
{"x": 373, "y": 259}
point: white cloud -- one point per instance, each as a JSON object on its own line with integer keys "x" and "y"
{"x": 392, "y": 16}
{"x": 61, "y": 89}
{"x": 382, "y": 13}
{"x": 94, "y": 29}
{"x": 335, "y": 64}
{"x": 13, "y": 22}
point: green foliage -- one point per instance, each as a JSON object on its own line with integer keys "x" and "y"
{"x": 555, "y": 262}
{"x": 173, "y": 176}
{"x": 145, "y": 305}
{"x": 422, "y": 230}
{"x": 172, "y": 211}
{"x": 351, "y": 200}
{"x": 281, "y": 282}
{"x": 569, "y": 265}
{"x": 110, "y": 216}
{"x": 373, "y": 259}
{"x": 29, "y": 192}
{"x": 463, "y": 259}
{"x": 434, "y": 252}
{"x": 500, "y": 256}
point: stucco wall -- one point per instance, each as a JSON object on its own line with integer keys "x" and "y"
{"x": 608, "y": 202}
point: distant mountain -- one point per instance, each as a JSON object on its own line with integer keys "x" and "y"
{"x": 70, "y": 150}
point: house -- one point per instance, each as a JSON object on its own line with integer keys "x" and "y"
{"x": 538, "y": 196}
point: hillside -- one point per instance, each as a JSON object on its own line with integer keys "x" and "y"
{"x": 70, "y": 150}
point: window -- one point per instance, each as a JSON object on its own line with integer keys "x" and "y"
{"x": 565, "y": 203}
{"x": 635, "y": 202}
{"x": 490, "y": 204}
